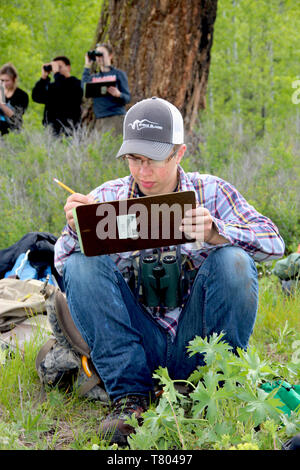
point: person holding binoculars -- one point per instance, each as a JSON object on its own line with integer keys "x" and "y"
{"x": 191, "y": 289}
{"x": 62, "y": 97}
{"x": 109, "y": 108}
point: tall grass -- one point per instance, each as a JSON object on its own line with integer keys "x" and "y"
{"x": 30, "y": 200}
{"x": 265, "y": 171}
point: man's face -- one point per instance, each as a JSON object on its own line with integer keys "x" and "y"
{"x": 154, "y": 180}
{"x": 62, "y": 67}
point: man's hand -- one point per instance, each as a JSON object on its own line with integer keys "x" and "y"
{"x": 198, "y": 223}
{"x": 3, "y": 106}
{"x": 75, "y": 200}
{"x": 114, "y": 91}
{"x": 45, "y": 74}
{"x": 88, "y": 61}
{"x": 2, "y": 94}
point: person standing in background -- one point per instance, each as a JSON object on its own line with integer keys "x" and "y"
{"x": 109, "y": 109}
{"x": 13, "y": 100}
{"x": 62, "y": 97}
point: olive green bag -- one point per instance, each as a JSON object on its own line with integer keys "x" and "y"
{"x": 288, "y": 268}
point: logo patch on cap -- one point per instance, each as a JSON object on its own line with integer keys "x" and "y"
{"x": 137, "y": 125}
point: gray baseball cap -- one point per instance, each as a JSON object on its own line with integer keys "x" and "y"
{"x": 151, "y": 128}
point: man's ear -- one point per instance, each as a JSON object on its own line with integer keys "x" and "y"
{"x": 180, "y": 153}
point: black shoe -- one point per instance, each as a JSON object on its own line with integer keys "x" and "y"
{"x": 113, "y": 428}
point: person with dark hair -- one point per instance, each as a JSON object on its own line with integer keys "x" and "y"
{"x": 62, "y": 97}
{"x": 13, "y": 100}
{"x": 109, "y": 109}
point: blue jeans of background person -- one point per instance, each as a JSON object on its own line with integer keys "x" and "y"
{"x": 128, "y": 345}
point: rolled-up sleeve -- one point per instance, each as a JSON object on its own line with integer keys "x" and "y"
{"x": 242, "y": 225}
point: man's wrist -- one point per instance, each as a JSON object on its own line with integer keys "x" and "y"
{"x": 215, "y": 238}
{"x": 71, "y": 232}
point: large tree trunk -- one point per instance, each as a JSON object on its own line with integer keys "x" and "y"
{"x": 164, "y": 47}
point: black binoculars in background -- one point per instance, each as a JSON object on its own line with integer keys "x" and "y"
{"x": 160, "y": 281}
{"x": 47, "y": 68}
{"x": 93, "y": 54}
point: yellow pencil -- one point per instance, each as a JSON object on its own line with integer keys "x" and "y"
{"x": 64, "y": 186}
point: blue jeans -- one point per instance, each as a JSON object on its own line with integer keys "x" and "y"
{"x": 128, "y": 345}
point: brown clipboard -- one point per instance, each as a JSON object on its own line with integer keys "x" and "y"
{"x": 133, "y": 224}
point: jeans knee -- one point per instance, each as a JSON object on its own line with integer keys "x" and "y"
{"x": 235, "y": 266}
{"x": 86, "y": 269}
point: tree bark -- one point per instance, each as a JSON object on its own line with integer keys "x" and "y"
{"x": 164, "y": 46}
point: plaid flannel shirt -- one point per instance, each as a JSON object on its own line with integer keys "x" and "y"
{"x": 234, "y": 218}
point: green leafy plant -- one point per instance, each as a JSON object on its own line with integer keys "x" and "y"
{"x": 226, "y": 407}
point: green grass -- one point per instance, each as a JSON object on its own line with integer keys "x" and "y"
{"x": 265, "y": 171}
{"x": 34, "y": 418}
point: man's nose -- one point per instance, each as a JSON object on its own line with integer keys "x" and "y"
{"x": 145, "y": 169}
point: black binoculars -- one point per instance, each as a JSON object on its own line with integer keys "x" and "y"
{"x": 160, "y": 281}
{"x": 93, "y": 54}
{"x": 47, "y": 68}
